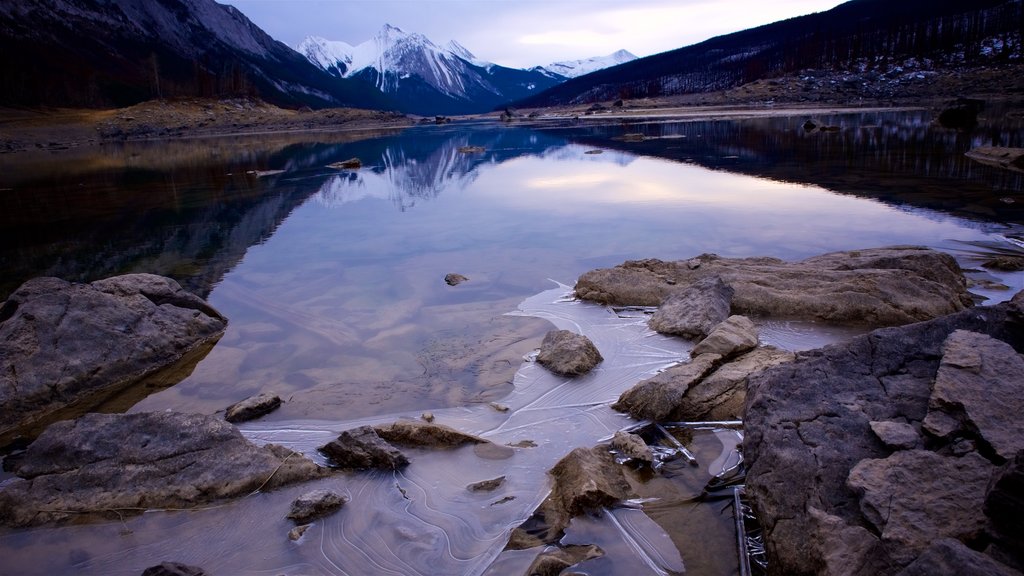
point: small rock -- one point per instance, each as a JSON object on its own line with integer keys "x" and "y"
{"x": 471, "y": 149}
{"x": 427, "y": 416}
{"x": 555, "y": 561}
{"x": 350, "y": 164}
{"x": 694, "y": 311}
{"x": 252, "y": 408}
{"x": 173, "y": 569}
{"x": 735, "y": 335}
{"x": 315, "y": 504}
{"x": 361, "y": 448}
{"x": 569, "y": 354}
{"x": 297, "y": 532}
{"x": 499, "y": 407}
{"x": 454, "y": 279}
{"x": 632, "y": 446}
{"x": 897, "y": 435}
{"x": 486, "y": 485}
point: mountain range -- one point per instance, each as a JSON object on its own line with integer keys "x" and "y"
{"x": 425, "y": 78}
{"x": 101, "y": 53}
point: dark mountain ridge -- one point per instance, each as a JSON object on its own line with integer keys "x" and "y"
{"x": 101, "y": 53}
{"x": 876, "y": 36}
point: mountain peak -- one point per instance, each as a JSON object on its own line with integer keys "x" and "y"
{"x": 574, "y": 68}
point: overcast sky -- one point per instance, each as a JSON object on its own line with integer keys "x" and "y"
{"x": 525, "y": 33}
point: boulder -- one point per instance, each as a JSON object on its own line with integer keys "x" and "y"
{"x": 980, "y": 384}
{"x": 361, "y": 448}
{"x": 315, "y": 504}
{"x": 656, "y": 397}
{"x": 585, "y": 480}
{"x": 873, "y": 287}
{"x": 421, "y": 434}
{"x": 808, "y": 424}
{"x": 721, "y": 394}
{"x": 102, "y": 463}
{"x": 64, "y": 343}
{"x": 693, "y": 311}
{"x": 735, "y": 335}
{"x": 252, "y": 408}
{"x": 913, "y": 497}
{"x": 567, "y": 353}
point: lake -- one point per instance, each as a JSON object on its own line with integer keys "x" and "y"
{"x": 333, "y": 282}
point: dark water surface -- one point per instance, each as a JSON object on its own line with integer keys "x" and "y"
{"x": 333, "y": 281}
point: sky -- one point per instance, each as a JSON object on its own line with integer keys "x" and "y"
{"x": 526, "y": 33}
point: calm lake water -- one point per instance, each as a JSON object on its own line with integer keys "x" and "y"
{"x": 333, "y": 281}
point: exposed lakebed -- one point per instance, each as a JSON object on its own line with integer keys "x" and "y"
{"x": 333, "y": 282}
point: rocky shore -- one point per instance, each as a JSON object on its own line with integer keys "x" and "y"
{"x": 898, "y": 452}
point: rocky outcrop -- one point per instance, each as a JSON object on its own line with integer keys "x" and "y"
{"x": 875, "y": 287}
{"x": 567, "y": 353}
{"x": 252, "y": 408}
{"x": 64, "y": 343}
{"x": 693, "y": 311}
{"x": 860, "y": 459}
{"x": 125, "y": 463}
{"x": 315, "y": 504}
{"x": 361, "y": 449}
{"x": 585, "y": 480}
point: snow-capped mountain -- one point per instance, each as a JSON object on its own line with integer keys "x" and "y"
{"x": 426, "y": 78}
{"x": 574, "y": 68}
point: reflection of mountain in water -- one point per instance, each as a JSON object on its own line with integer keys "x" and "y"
{"x": 420, "y": 166}
{"x": 901, "y": 158}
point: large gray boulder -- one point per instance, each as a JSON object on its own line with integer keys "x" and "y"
{"x": 873, "y": 287}
{"x": 63, "y": 343}
{"x": 127, "y": 463}
{"x": 819, "y": 473}
{"x": 693, "y": 311}
{"x": 567, "y": 353}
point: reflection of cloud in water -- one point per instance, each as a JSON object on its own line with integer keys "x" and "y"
{"x": 403, "y": 180}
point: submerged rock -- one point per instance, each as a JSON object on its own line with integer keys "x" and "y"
{"x": 874, "y": 287}
{"x": 567, "y": 353}
{"x": 554, "y": 561}
{"x": 361, "y": 448}
{"x": 694, "y": 310}
{"x": 315, "y": 504}
{"x": 486, "y": 485}
{"x": 134, "y": 462}
{"x": 818, "y": 473}
{"x": 252, "y": 408}
{"x": 64, "y": 343}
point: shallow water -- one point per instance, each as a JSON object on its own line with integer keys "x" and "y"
{"x": 333, "y": 284}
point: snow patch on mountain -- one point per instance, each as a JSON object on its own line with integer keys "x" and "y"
{"x": 574, "y": 68}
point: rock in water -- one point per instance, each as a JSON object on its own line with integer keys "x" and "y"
{"x": 569, "y": 354}
{"x": 735, "y": 335}
{"x": 63, "y": 343}
{"x": 874, "y": 287}
{"x": 173, "y": 569}
{"x": 133, "y": 462}
{"x": 361, "y": 448}
{"x": 818, "y": 474}
{"x": 693, "y": 311}
{"x": 315, "y": 504}
{"x": 252, "y": 408}
{"x": 420, "y": 434}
